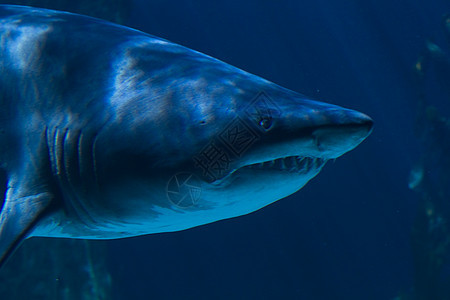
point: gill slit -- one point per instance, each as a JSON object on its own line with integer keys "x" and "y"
{"x": 74, "y": 203}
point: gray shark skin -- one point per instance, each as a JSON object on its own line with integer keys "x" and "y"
{"x": 99, "y": 121}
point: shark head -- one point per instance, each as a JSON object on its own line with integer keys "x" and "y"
{"x": 284, "y": 135}
{"x": 269, "y": 146}
{"x": 221, "y": 143}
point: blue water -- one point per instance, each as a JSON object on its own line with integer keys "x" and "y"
{"x": 346, "y": 235}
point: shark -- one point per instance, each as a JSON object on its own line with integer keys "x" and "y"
{"x": 107, "y": 132}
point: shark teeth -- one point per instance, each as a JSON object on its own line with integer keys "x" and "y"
{"x": 292, "y": 164}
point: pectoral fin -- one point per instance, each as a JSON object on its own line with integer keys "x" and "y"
{"x": 17, "y": 219}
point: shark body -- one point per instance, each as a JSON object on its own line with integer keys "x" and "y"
{"x": 108, "y": 132}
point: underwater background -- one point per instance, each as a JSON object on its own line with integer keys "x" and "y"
{"x": 374, "y": 224}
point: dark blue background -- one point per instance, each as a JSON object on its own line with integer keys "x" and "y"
{"x": 346, "y": 235}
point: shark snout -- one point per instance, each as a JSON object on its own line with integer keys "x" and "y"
{"x": 346, "y": 130}
{"x": 315, "y": 130}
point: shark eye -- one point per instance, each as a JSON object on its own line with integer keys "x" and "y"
{"x": 266, "y": 123}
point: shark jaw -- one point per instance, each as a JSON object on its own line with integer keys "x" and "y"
{"x": 289, "y": 166}
{"x": 301, "y": 157}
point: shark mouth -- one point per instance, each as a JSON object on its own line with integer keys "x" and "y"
{"x": 292, "y": 164}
